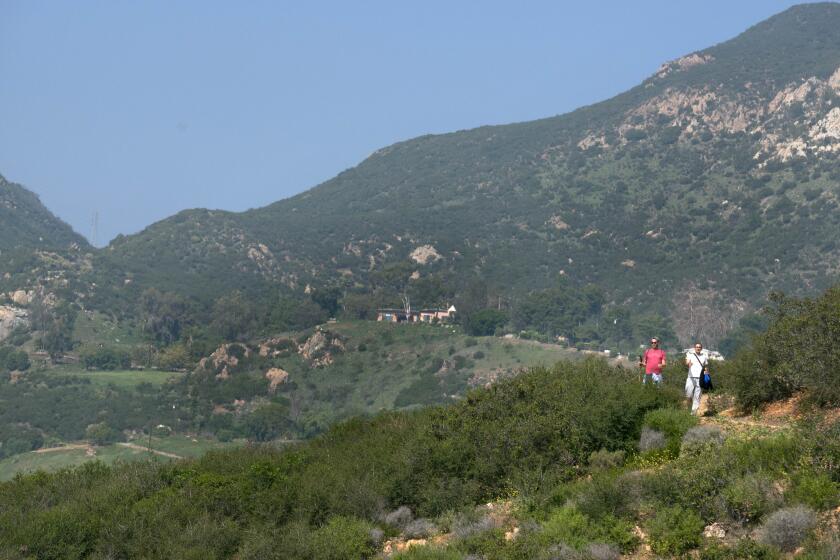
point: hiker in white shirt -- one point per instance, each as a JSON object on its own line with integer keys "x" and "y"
{"x": 697, "y": 361}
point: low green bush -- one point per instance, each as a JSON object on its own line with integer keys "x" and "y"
{"x": 12, "y": 359}
{"x": 826, "y": 549}
{"x": 105, "y": 358}
{"x": 428, "y": 553}
{"x": 605, "y": 460}
{"x": 813, "y": 489}
{"x": 675, "y": 530}
{"x": 820, "y": 447}
{"x": 751, "y": 497}
{"x": 570, "y": 526}
{"x": 673, "y": 423}
{"x": 775, "y": 455}
{"x": 342, "y": 538}
{"x": 745, "y": 549}
{"x": 610, "y": 495}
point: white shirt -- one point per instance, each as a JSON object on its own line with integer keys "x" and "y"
{"x": 697, "y": 362}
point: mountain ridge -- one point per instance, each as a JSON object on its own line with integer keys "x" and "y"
{"x": 714, "y": 180}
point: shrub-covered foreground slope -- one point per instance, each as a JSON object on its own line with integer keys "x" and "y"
{"x": 558, "y": 451}
{"x": 522, "y": 434}
{"x": 797, "y": 353}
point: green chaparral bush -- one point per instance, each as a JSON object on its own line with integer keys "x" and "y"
{"x": 428, "y": 553}
{"x": 342, "y": 538}
{"x": 826, "y": 549}
{"x": 481, "y": 543}
{"x": 12, "y": 359}
{"x": 813, "y": 489}
{"x": 675, "y": 530}
{"x": 531, "y": 430}
{"x": 797, "y": 352}
{"x": 673, "y": 423}
{"x": 605, "y": 460}
{"x": 609, "y": 495}
{"x": 745, "y": 549}
{"x": 820, "y": 443}
{"x": 569, "y": 526}
{"x": 750, "y": 497}
{"x": 105, "y": 358}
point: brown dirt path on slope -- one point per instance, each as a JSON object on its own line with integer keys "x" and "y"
{"x": 67, "y": 447}
{"x": 146, "y": 449}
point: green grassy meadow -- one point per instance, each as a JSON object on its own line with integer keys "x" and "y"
{"x": 54, "y": 459}
{"x": 121, "y": 378}
{"x": 391, "y": 366}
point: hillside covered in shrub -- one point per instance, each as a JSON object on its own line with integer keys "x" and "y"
{"x": 577, "y": 462}
{"x": 797, "y": 353}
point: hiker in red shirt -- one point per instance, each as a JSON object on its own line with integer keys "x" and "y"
{"x": 654, "y": 361}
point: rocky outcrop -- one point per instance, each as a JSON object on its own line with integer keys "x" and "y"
{"x": 10, "y": 318}
{"x": 276, "y": 377}
{"x": 558, "y": 223}
{"x": 320, "y": 348}
{"x": 21, "y": 297}
{"x": 693, "y": 110}
{"x": 224, "y": 360}
{"x": 425, "y": 254}
{"x": 278, "y": 347}
{"x": 683, "y": 63}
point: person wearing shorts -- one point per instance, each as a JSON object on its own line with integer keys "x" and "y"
{"x": 697, "y": 361}
{"x": 654, "y": 361}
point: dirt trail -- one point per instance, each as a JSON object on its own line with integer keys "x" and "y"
{"x": 67, "y": 447}
{"x": 773, "y": 417}
{"x": 146, "y": 449}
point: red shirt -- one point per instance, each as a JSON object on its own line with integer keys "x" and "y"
{"x": 653, "y": 360}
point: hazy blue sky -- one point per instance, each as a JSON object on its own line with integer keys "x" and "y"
{"x": 140, "y": 109}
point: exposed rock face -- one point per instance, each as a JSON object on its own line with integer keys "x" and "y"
{"x": 693, "y": 109}
{"x": 799, "y": 120}
{"x": 222, "y": 361}
{"x": 827, "y": 128}
{"x": 314, "y": 344}
{"x": 425, "y": 254}
{"x": 714, "y": 531}
{"x": 684, "y": 63}
{"x": 834, "y": 80}
{"x": 21, "y": 297}
{"x": 320, "y": 348}
{"x": 558, "y": 223}
{"x": 794, "y": 94}
{"x": 11, "y": 318}
{"x": 276, "y": 376}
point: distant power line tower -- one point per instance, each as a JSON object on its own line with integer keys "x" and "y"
{"x": 94, "y": 228}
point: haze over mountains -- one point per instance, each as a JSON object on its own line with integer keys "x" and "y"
{"x": 712, "y": 182}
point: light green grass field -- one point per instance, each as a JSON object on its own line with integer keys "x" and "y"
{"x": 93, "y": 327}
{"x": 120, "y": 378}
{"x": 384, "y": 363}
{"x": 53, "y": 460}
